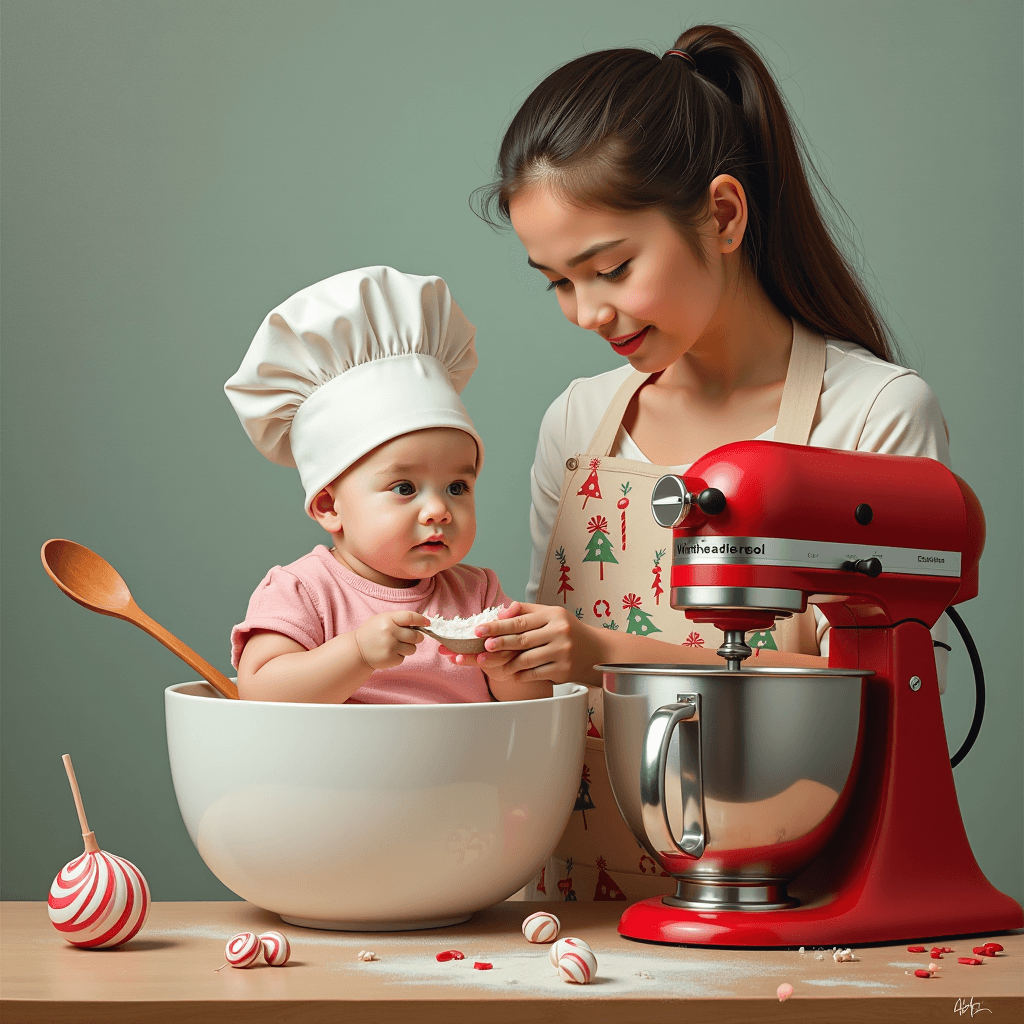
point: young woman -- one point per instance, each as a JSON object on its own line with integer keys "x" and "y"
{"x": 665, "y": 200}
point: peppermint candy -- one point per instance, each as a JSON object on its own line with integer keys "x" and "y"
{"x": 541, "y": 927}
{"x": 276, "y": 948}
{"x": 565, "y": 944}
{"x": 243, "y": 949}
{"x": 578, "y": 966}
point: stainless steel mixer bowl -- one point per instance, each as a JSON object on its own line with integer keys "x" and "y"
{"x": 732, "y": 781}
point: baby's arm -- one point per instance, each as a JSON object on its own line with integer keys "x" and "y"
{"x": 276, "y": 668}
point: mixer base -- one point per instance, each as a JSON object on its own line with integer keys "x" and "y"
{"x": 827, "y": 923}
{"x": 742, "y": 894}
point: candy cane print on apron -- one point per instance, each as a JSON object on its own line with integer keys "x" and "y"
{"x": 609, "y": 563}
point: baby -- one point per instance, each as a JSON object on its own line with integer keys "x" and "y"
{"x": 356, "y": 381}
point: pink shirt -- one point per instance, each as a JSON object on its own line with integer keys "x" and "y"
{"x": 316, "y": 598}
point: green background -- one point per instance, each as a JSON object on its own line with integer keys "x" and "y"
{"x": 172, "y": 170}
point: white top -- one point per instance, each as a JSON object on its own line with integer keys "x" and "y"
{"x": 866, "y": 404}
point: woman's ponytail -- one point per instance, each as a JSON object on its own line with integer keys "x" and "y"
{"x": 625, "y": 129}
{"x": 794, "y": 256}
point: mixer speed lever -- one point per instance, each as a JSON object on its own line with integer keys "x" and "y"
{"x": 671, "y": 501}
{"x": 868, "y": 566}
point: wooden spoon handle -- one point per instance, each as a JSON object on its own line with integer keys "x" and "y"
{"x": 214, "y": 677}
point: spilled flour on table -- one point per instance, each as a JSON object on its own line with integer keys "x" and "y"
{"x": 617, "y": 973}
{"x": 673, "y": 973}
{"x": 833, "y": 982}
{"x": 317, "y": 937}
{"x": 194, "y": 931}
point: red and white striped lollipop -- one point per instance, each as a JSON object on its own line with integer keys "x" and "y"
{"x": 276, "y": 948}
{"x": 98, "y": 901}
{"x": 243, "y": 949}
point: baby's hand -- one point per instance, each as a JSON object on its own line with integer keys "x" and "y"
{"x": 386, "y": 640}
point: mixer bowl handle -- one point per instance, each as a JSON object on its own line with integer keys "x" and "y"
{"x": 653, "y": 764}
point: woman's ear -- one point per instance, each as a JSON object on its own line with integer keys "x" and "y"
{"x": 324, "y": 512}
{"x": 729, "y": 210}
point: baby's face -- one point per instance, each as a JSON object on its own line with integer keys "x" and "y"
{"x": 407, "y": 509}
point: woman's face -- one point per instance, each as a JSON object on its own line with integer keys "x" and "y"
{"x": 629, "y": 276}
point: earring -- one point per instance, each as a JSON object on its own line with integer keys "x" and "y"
{"x": 728, "y": 241}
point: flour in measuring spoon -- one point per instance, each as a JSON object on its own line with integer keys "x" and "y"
{"x": 463, "y": 629}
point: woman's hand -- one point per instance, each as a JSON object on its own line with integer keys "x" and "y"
{"x": 529, "y": 643}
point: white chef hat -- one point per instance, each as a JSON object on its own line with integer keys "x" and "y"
{"x": 349, "y": 363}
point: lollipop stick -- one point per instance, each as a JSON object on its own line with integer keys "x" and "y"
{"x": 91, "y": 846}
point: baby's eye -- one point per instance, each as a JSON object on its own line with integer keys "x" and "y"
{"x": 613, "y": 275}
{"x": 458, "y": 487}
{"x": 405, "y": 489}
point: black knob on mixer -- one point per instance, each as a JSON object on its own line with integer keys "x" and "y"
{"x": 866, "y": 566}
{"x": 863, "y": 513}
{"x": 711, "y": 501}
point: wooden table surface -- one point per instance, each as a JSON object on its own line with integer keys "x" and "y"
{"x": 167, "y": 974}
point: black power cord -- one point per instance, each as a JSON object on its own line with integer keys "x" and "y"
{"x": 979, "y": 687}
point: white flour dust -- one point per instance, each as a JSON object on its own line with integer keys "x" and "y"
{"x": 297, "y": 935}
{"x": 834, "y": 982}
{"x": 463, "y": 629}
{"x": 530, "y": 971}
{"x": 197, "y": 931}
{"x": 617, "y": 974}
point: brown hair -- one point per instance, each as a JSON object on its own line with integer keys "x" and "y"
{"x": 627, "y": 130}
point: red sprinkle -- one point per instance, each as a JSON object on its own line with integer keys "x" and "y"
{"x": 982, "y": 951}
{"x": 968, "y": 960}
{"x": 994, "y": 946}
{"x": 922, "y": 974}
{"x": 936, "y": 954}
{"x": 450, "y": 954}
{"x": 947, "y": 949}
{"x": 481, "y": 966}
{"x": 915, "y": 949}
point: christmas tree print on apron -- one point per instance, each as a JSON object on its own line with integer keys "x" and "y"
{"x": 620, "y": 568}
{"x": 564, "y": 587}
{"x": 599, "y": 547}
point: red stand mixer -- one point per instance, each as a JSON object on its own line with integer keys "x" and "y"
{"x": 883, "y": 545}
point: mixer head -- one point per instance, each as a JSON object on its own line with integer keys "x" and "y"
{"x": 762, "y": 528}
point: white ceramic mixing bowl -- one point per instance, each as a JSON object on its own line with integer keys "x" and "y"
{"x": 374, "y": 817}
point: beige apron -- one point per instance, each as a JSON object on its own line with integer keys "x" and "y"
{"x": 609, "y": 563}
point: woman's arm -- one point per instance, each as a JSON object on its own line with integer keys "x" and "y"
{"x": 274, "y": 667}
{"x": 543, "y": 642}
{"x": 512, "y": 689}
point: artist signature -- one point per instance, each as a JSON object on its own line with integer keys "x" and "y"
{"x": 964, "y": 1006}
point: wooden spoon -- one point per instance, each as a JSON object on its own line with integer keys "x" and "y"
{"x": 94, "y": 583}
